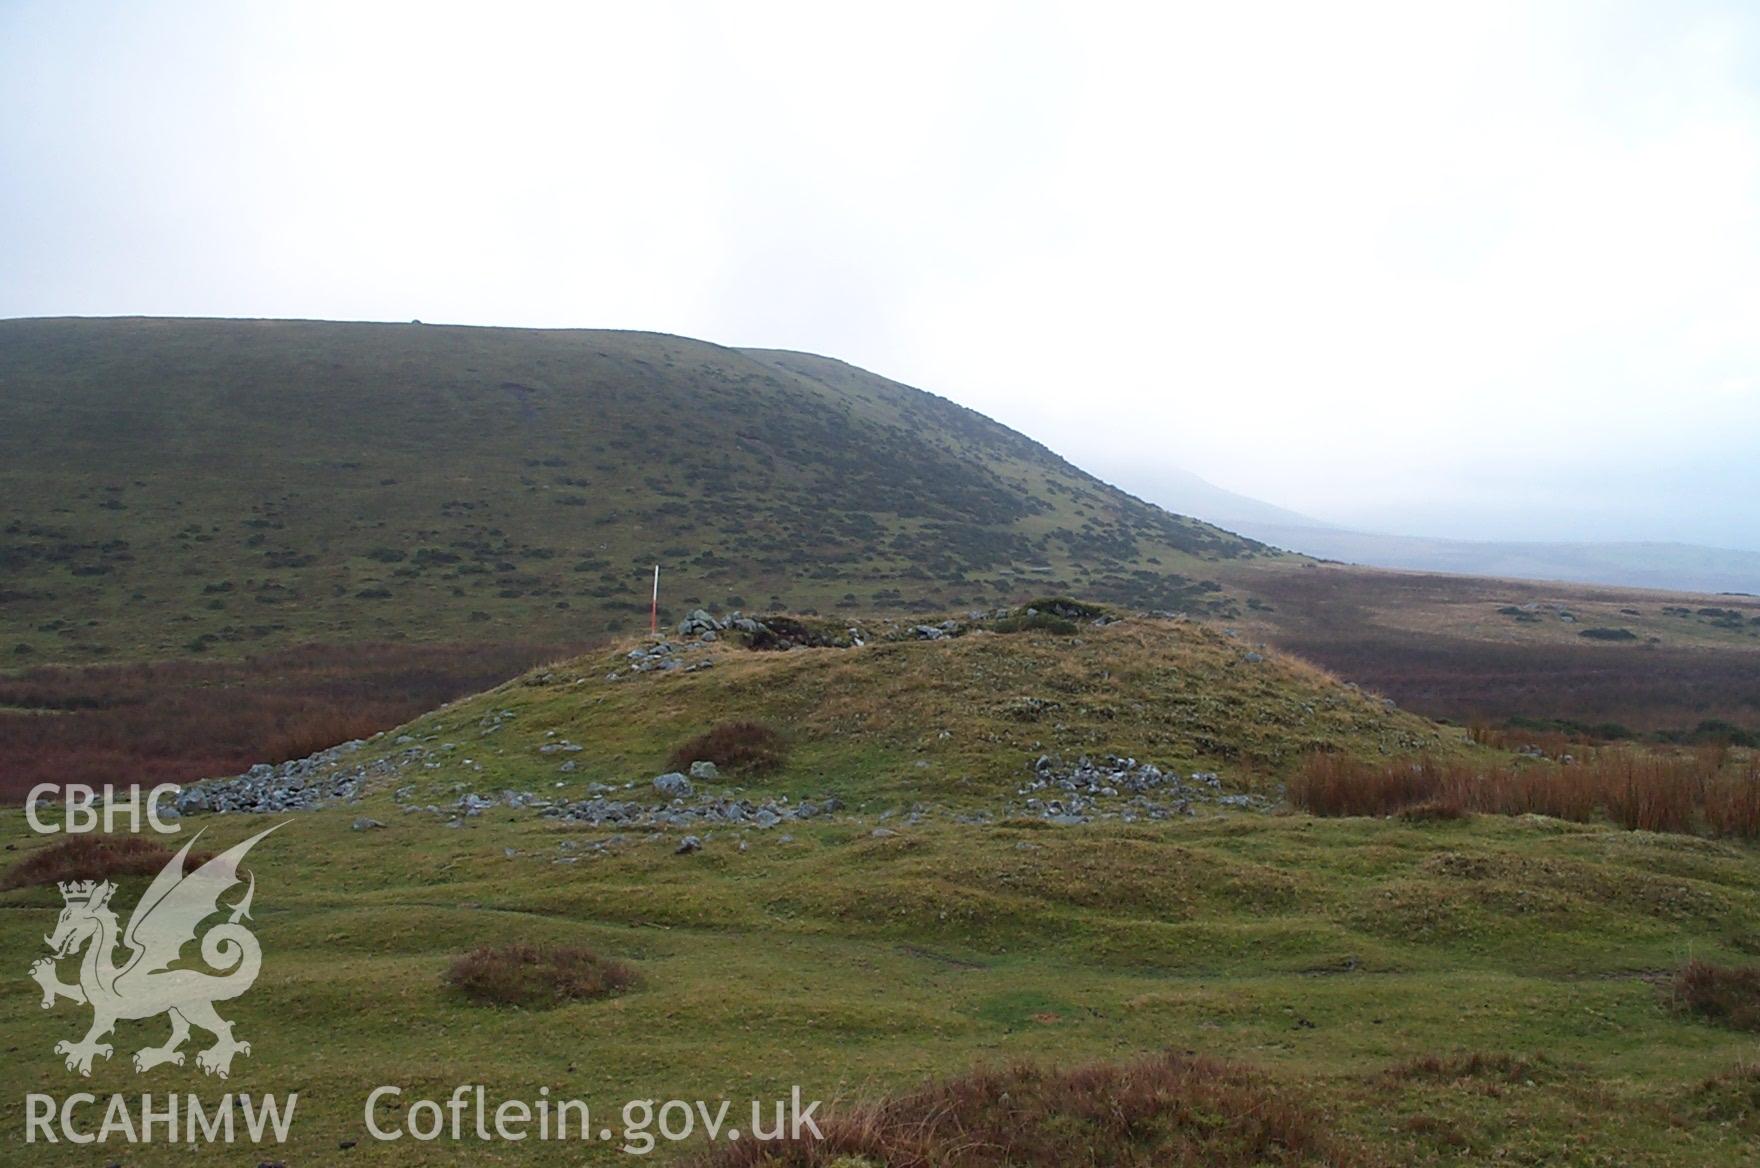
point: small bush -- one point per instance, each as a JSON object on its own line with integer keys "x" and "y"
{"x": 1040, "y": 621}
{"x": 1726, "y": 995}
{"x": 1609, "y": 634}
{"x": 751, "y": 747}
{"x": 92, "y": 857}
{"x": 1169, "y": 1110}
{"x": 536, "y": 977}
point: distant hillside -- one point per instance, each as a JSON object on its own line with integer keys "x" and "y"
{"x": 1676, "y": 566}
{"x": 169, "y": 486}
{"x": 1180, "y": 490}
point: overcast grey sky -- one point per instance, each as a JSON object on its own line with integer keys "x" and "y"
{"x": 1470, "y": 269}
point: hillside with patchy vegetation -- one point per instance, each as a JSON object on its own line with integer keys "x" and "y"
{"x": 225, "y": 541}
{"x": 197, "y": 486}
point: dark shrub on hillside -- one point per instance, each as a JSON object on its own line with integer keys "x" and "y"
{"x": 93, "y": 857}
{"x": 1726, "y": 995}
{"x": 536, "y": 976}
{"x": 1165, "y": 1111}
{"x": 1609, "y": 634}
{"x": 751, "y": 747}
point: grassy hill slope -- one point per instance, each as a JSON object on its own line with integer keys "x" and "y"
{"x": 194, "y": 485}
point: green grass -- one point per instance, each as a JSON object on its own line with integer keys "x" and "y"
{"x": 1324, "y": 952}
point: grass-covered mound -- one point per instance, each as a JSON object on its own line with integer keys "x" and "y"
{"x": 957, "y": 719}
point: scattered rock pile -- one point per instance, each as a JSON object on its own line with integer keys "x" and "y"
{"x": 663, "y": 656}
{"x": 709, "y": 811}
{"x": 1120, "y": 788}
{"x": 303, "y": 784}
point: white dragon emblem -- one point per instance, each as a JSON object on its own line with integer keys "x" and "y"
{"x": 145, "y": 984}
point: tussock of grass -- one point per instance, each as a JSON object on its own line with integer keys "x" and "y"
{"x": 91, "y": 857}
{"x": 746, "y": 746}
{"x": 1726, "y": 995}
{"x": 1163, "y": 1111}
{"x": 534, "y": 976}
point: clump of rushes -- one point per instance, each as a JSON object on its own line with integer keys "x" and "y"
{"x": 1638, "y": 790}
{"x": 536, "y": 977}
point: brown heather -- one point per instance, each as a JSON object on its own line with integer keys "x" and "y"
{"x": 1166, "y": 1111}
{"x": 178, "y": 721}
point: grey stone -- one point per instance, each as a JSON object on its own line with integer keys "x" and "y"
{"x": 673, "y": 785}
{"x": 705, "y": 771}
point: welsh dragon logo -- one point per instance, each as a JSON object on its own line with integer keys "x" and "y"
{"x": 150, "y": 980}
